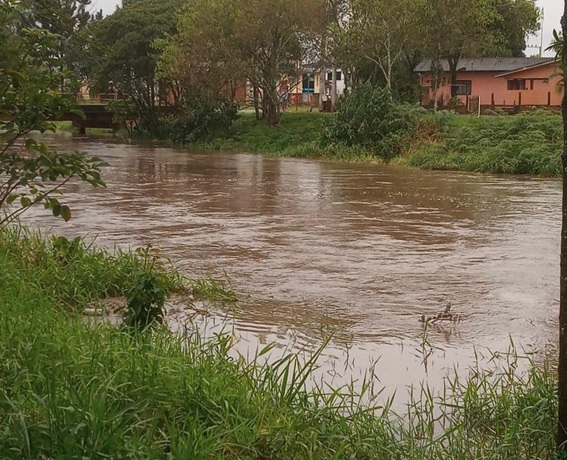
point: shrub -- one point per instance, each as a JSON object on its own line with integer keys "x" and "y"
{"x": 370, "y": 118}
{"x": 202, "y": 118}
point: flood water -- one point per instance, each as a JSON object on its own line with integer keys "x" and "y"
{"x": 361, "y": 250}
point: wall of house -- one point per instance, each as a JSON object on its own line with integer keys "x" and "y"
{"x": 494, "y": 90}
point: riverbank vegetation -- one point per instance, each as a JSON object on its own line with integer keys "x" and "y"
{"x": 369, "y": 126}
{"x": 72, "y": 388}
{"x": 526, "y": 143}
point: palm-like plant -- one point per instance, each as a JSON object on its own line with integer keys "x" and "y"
{"x": 557, "y": 45}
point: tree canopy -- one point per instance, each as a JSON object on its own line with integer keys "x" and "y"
{"x": 30, "y": 73}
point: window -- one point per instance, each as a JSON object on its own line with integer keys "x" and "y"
{"x": 516, "y": 85}
{"x": 308, "y": 83}
{"x": 339, "y": 75}
{"x": 464, "y": 87}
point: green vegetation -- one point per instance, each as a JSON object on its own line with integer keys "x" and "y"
{"x": 527, "y": 143}
{"x": 73, "y": 389}
{"x": 373, "y": 128}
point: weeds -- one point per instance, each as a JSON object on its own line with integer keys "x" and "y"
{"x": 73, "y": 390}
{"x": 210, "y": 289}
{"x": 527, "y": 143}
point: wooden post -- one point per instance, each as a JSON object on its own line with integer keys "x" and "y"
{"x": 492, "y": 100}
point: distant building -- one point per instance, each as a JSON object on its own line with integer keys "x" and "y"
{"x": 495, "y": 82}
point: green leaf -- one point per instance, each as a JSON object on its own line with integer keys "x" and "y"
{"x": 66, "y": 213}
{"x": 56, "y": 210}
{"x": 31, "y": 144}
{"x": 25, "y": 201}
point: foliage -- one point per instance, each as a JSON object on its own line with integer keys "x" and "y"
{"x": 369, "y": 118}
{"x": 123, "y": 114}
{"x": 146, "y": 298}
{"x": 211, "y": 289}
{"x": 251, "y": 135}
{"x": 378, "y": 33}
{"x": 527, "y": 143}
{"x": 31, "y": 172}
{"x": 450, "y": 29}
{"x": 201, "y": 118}
{"x": 122, "y": 57}
{"x": 222, "y": 41}
{"x": 76, "y": 273}
{"x": 73, "y": 390}
{"x": 66, "y": 19}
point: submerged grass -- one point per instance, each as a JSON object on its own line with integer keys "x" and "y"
{"x": 73, "y": 390}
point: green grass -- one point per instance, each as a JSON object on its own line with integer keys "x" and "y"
{"x": 298, "y": 135}
{"x": 251, "y": 135}
{"x": 527, "y": 143}
{"x": 73, "y": 390}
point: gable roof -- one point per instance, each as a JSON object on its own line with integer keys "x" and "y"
{"x": 488, "y": 64}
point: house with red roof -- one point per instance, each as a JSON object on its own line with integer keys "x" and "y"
{"x": 495, "y": 82}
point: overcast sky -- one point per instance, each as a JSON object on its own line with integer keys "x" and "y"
{"x": 553, "y": 10}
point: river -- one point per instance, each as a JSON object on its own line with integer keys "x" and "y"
{"x": 361, "y": 250}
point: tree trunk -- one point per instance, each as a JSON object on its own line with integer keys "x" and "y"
{"x": 271, "y": 105}
{"x": 334, "y": 90}
{"x": 562, "y": 368}
{"x": 322, "y": 73}
{"x": 453, "y": 66}
{"x": 436, "y": 73}
{"x": 256, "y": 102}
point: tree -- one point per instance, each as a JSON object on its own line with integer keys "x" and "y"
{"x": 262, "y": 41}
{"x": 30, "y": 172}
{"x": 123, "y": 57}
{"x": 378, "y": 32}
{"x": 562, "y": 368}
{"x": 512, "y": 21}
{"x": 65, "y": 19}
{"x": 451, "y": 29}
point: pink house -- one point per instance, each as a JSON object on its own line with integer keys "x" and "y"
{"x": 496, "y": 82}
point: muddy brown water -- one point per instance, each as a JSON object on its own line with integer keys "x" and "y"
{"x": 360, "y": 250}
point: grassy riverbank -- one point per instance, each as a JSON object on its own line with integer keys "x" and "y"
{"x": 73, "y": 390}
{"x": 527, "y": 143}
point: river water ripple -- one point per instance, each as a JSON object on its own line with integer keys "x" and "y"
{"x": 361, "y": 250}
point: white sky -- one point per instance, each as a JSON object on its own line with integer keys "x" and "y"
{"x": 553, "y": 9}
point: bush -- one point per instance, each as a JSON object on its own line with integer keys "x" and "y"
{"x": 370, "y": 118}
{"x": 201, "y": 119}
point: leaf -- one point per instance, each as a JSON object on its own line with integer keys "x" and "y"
{"x": 66, "y": 213}
{"x": 56, "y": 210}
{"x": 31, "y": 144}
{"x": 25, "y": 201}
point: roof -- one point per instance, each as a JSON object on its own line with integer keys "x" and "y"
{"x": 488, "y": 64}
